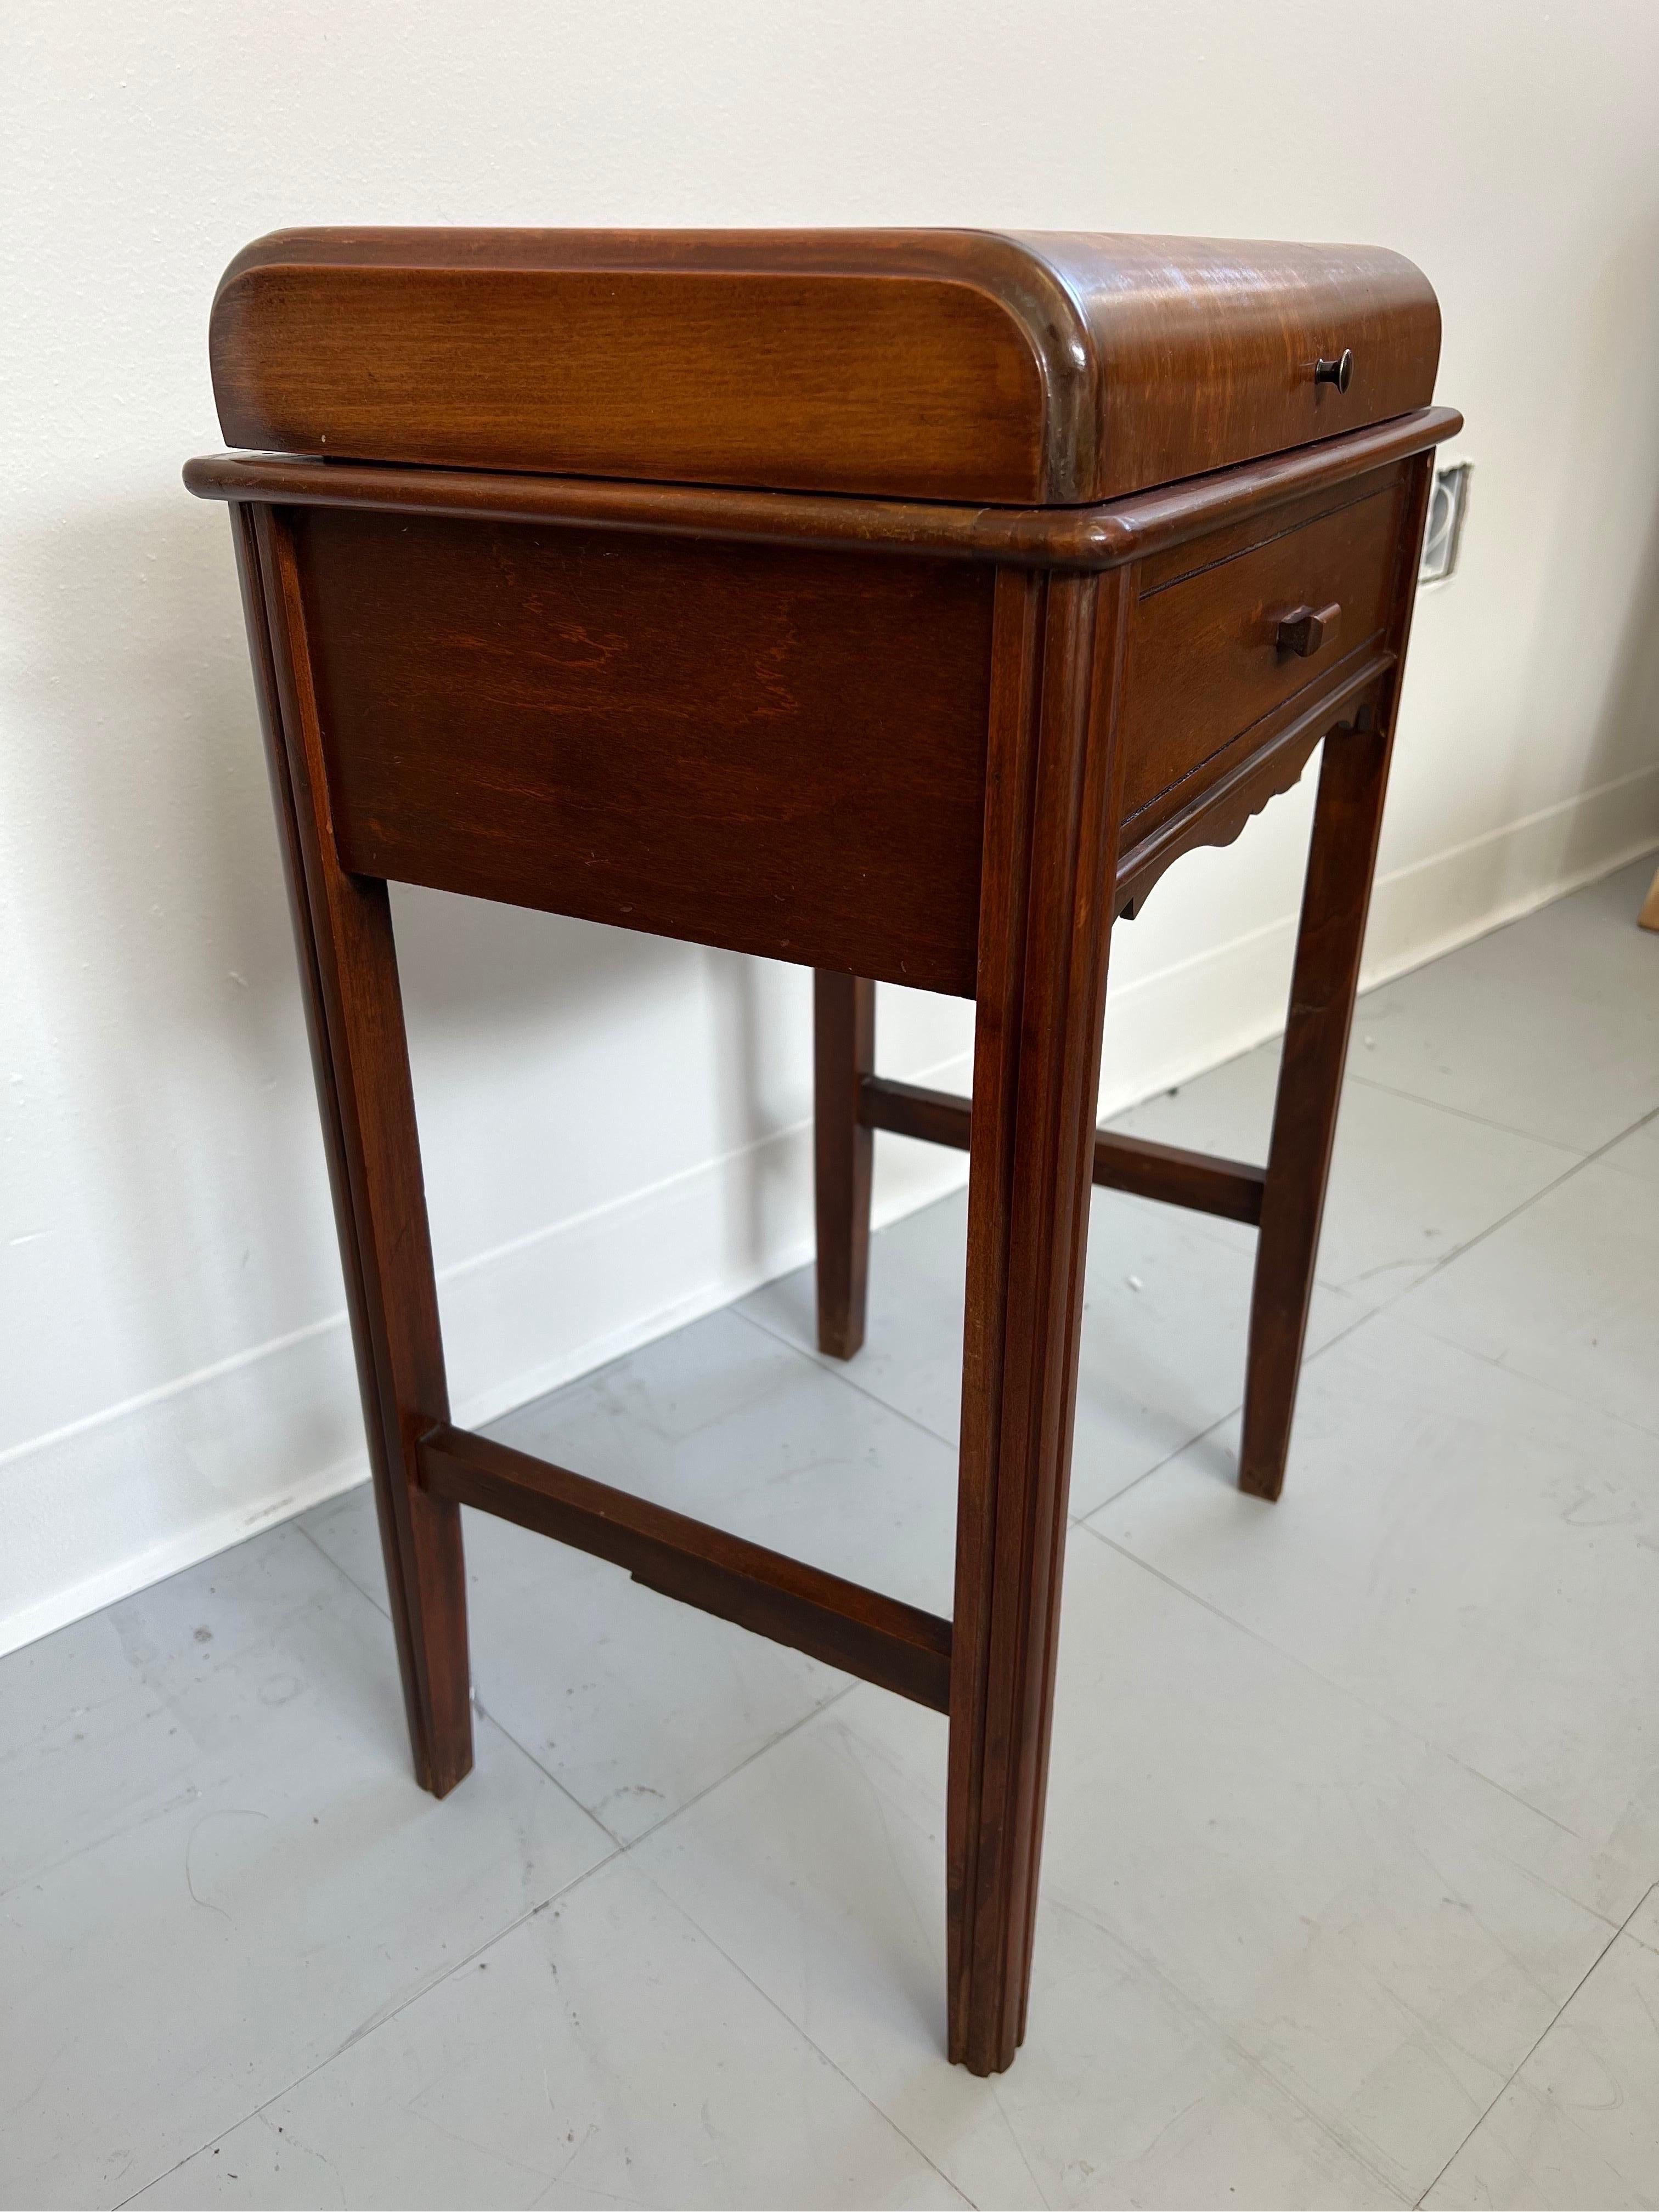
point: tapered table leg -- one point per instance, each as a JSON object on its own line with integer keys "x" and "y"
{"x": 349, "y": 970}
{"x": 1046, "y": 920}
{"x": 1336, "y": 898}
{"x": 843, "y": 1052}
{"x": 1348, "y": 819}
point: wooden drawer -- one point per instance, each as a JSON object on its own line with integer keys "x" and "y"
{"x": 1204, "y": 659}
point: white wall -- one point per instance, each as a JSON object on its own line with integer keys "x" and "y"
{"x": 615, "y": 1126}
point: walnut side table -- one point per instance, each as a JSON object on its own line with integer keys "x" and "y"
{"x": 900, "y": 604}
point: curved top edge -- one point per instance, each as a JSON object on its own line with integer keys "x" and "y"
{"x": 1155, "y": 355}
{"x": 916, "y": 249}
{"x": 1003, "y": 267}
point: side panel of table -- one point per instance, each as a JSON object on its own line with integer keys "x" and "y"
{"x": 778, "y": 750}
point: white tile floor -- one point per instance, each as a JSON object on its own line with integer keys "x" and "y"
{"x": 1352, "y": 1889}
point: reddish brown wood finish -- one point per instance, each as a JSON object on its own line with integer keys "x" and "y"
{"x": 1341, "y": 862}
{"x": 1052, "y": 806}
{"x": 886, "y": 1642}
{"x": 844, "y": 1055}
{"x": 1212, "y": 805}
{"x": 873, "y": 725}
{"x": 910, "y": 1109}
{"x": 384, "y": 1463}
{"x": 942, "y": 365}
{"x": 349, "y": 965}
{"x": 1147, "y": 527}
{"x": 1203, "y": 1182}
{"x": 693, "y": 740}
{"x": 1204, "y": 659}
{"x": 1168, "y": 1173}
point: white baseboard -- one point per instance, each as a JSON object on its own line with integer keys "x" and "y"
{"x": 1421, "y": 911}
{"x": 1165, "y": 1027}
{"x": 214, "y": 1457}
{"x": 217, "y": 1456}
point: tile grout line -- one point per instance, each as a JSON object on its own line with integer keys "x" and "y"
{"x": 1202, "y": 1436}
{"x": 298, "y": 1522}
{"x": 361, "y": 2034}
{"x": 719, "y": 1780}
{"x": 622, "y": 1851}
{"x": 1586, "y": 1160}
{"x": 613, "y": 1857}
{"x": 1434, "y": 1268}
{"x": 838, "y": 1373}
{"x": 622, "y": 1844}
{"x": 624, "y": 1848}
{"x": 1352, "y": 1074}
{"x": 1548, "y": 1190}
{"x": 1556, "y": 1390}
{"x": 476, "y": 1703}
{"x": 1545, "y": 2030}
{"x": 1253, "y": 2062}
{"x": 1086, "y": 1520}
{"x": 1405, "y": 1726}
{"x": 795, "y": 2026}
{"x": 836, "y": 1370}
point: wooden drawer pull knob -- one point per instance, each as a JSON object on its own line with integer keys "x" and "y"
{"x": 1339, "y": 371}
{"x": 1305, "y": 629}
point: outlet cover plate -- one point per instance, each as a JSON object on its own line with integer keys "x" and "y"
{"x": 1449, "y": 506}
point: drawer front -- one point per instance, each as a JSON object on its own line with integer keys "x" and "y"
{"x": 1206, "y": 655}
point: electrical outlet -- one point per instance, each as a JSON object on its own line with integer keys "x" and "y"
{"x": 1449, "y": 503}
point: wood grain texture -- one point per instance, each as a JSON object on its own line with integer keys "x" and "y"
{"x": 348, "y": 967}
{"x": 384, "y": 1466}
{"x": 877, "y": 1638}
{"x": 695, "y": 741}
{"x": 949, "y": 365}
{"x": 843, "y": 1055}
{"x": 1325, "y": 979}
{"x": 1202, "y": 351}
{"x": 1053, "y": 802}
{"x": 1100, "y": 536}
{"x": 1212, "y": 805}
{"x": 1205, "y": 662}
{"x": 900, "y": 604}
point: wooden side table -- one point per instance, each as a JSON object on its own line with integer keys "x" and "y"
{"x": 900, "y": 604}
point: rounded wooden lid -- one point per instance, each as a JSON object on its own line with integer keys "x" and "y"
{"x": 1007, "y": 368}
